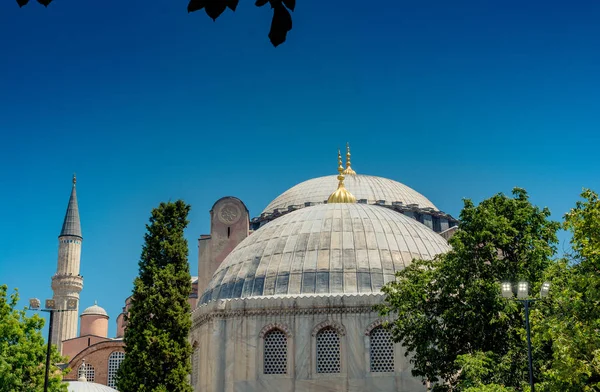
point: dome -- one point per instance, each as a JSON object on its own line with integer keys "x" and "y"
{"x": 85, "y": 386}
{"x": 372, "y": 188}
{"x": 324, "y": 249}
{"x": 94, "y": 310}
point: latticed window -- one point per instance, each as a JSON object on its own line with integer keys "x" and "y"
{"x": 382, "y": 350}
{"x": 114, "y": 361}
{"x": 328, "y": 351}
{"x": 86, "y": 370}
{"x": 275, "y": 354}
{"x": 195, "y": 355}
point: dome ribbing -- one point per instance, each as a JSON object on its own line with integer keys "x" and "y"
{"x": 330, "y": 248}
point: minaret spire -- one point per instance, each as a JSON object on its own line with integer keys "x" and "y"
{"x": 348, "y": 170}
{"x": 67, "y": 282}
{"x": 71, "y": 224}
{"x": 341, "y": 195}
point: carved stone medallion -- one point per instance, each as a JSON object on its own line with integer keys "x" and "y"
{"x": 229, "y": 214}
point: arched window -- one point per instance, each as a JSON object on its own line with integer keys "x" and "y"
{"x": 382, "y": 350}
{"x": 328, "y": 351}
{"x": 86, "y": 370}
{"x": 114, "y": 361}
{"x": 275, "y": 352}
{"x": 195, "y": 357}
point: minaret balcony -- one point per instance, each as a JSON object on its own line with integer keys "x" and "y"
{"x": 67, "y": 282}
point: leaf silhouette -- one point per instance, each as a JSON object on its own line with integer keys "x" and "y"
{"x": 195, "y": 5}
{"x": 215, "y": 8}
{"x": 291, "y": 4}
{"x": 280, "y": 25}
{"x": 232, "y": 4}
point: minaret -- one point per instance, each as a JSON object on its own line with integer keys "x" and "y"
{"x": 67, "y": 283}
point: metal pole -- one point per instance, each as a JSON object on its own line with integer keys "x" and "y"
{"x": 529, "y": 345}
{"x": 48, "y": 351}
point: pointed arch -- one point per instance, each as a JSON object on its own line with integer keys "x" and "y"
{"x": 339, "y": 328}
{"x": 282, "y": 327}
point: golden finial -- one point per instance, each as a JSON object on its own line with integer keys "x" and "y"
{"x": 74, "y": 179}
{"x": 348, "y": 170}
{"x": 341, "y": 195}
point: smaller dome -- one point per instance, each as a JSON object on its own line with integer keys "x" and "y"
{"x": 86, "y": 386}
{"x": 94, "y": 310}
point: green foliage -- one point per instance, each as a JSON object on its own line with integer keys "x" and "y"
{"x": 570, "y": 321}
{"x": 477, "y": 367}
{"x": 157, "y": 351}
{"x": 451, "y": 306}
{"x": 23, "y": 350}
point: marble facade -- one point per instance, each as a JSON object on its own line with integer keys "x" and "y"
{"x": 229, "y": 335}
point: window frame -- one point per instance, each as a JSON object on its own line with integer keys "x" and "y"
{"x": 396, "y": 352}
{"x": 108, "y": 375}
{"x": 341, "y": 331}
{"x": 261, "y": 351}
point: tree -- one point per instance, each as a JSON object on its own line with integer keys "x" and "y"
{"x": 280, "y": 24}
{"x": 157, "y": 351}
{"x": 23, "y": 350}
{"x": 451, "y": 306}
{"x": 570, "y": 321}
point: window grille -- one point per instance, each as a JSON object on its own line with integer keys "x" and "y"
{"x": 86, "y": 370}
{"x": 114, "y": 361}
{"x": 328, "y": 351}
{"x": 195, "y": 354}
{"x": 275, "y": 352}
{"x": 382, "y": 350}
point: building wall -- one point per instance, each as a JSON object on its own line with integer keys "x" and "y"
{"x": 229, "y": 225}
{"x": 227, "y": 334}
{"x": 72, "y": 347}
{"x": 97, "y": 356}
{"x": 94, "y": 324}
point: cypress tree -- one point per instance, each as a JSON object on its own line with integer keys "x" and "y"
{"x": 157, "y": 350}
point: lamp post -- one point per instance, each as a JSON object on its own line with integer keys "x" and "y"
{"x": 50, "y": 307}
{"x": 523, "y": 297}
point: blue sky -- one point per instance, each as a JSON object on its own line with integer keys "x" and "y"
{"x": 148, "y": 103}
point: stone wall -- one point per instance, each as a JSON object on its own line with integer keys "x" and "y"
{"x": 229, "y": 335}
{"x": 97, "y": 356}
{"x": 229, "y": 225}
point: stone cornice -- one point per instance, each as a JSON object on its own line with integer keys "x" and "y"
{"x": 274, "y": 306}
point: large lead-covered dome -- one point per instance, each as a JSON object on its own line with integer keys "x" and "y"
{"x": 329, "y": 248}
{"x": 371, "y": 188}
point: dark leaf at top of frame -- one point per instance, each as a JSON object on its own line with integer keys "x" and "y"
{"x": 280, "y": 25}
{"x": 260, "y": 3}
{"x": 215, "y": 8}
{"x": 291, "y": 4}
{"x": 232, "y": 4}
{"x": 195, "y": 5}
{"x": 44, "y": 2}
{"x": 21, "y": 3}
